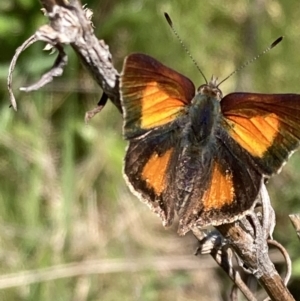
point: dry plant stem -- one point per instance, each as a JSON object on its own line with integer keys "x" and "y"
{"x": 56, "y": 70}
{"x": 254, "y": 254}
{"x": 100, "y": 105}
{"x": 25, "y": 45}
{"x": 287, "y": 259}
{"x": 295, "y": 219}
{"x": 71, "y": 25}
{"x": 48, "y": 4}
{"x": 94, "y": 54}
{"x": 269, "y": 219}
{"x": 222, "y": 256}
{"x": 234, "y": 293}
{"x": 223, "y": 260}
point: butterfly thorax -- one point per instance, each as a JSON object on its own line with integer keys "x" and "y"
{"x": 204, "y": 113}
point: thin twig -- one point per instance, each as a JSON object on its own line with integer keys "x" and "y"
{"x": 25, "y": 45}
{"x": 56, "y": 70}
{"x": 234, "y": 293}
{"x": 287, "y": 259}
{"x": 102, "y": 102}
{"x": 295, "y": 219}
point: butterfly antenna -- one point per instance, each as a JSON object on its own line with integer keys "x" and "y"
{"x": 183, "y": 45}
{"x": 276, "y": 42}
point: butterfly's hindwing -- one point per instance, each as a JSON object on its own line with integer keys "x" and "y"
{"x": 147, "y": 169}
{"x": 226, "y": 184}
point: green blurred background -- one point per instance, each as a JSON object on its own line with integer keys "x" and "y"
{"x": 62, "y": 196}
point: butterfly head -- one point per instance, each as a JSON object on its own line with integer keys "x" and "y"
{"x": 211, "y": 89}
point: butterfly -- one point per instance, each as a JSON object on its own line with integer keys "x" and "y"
{"x": 198, "y": 154}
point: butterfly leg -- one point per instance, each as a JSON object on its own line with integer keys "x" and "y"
{"x": 212, "y": 240}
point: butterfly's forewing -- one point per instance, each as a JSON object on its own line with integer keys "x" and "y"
{"x": 152, "y": 94}
{"x": 267, "y": 126}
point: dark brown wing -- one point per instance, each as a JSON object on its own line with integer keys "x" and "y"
{"x": 147, "y": 171}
